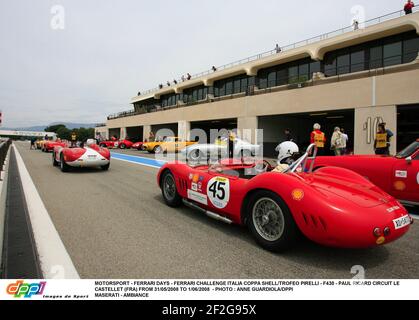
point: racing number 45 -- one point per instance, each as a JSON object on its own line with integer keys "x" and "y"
{"x": 217, "y": 188}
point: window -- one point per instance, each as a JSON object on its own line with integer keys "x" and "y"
{"x": 343, "y": 64}
{"x": 410, "y": 49}
{"x": 272, "y": 79}
{"x": 293, "y": 74}
{"x": 229, "y": 88}
{"x": 237, "y": 86}
{"x": 330, "y": 66}
{"x": 376, "y": 57}
{"x": 282, "y": 77}
{"x": 244, "y": 84}
{"x": 303, "y": 72}
{"x": 358, "y": 61}
{"x": 392, "y": 54}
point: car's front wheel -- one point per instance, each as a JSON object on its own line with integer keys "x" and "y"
{"x": 64, "y": 166}
{"x": 169, "y": 191}
{"x": 123, "y": 146}
{"x": 271, "y": 222}
{"x": 158, "y": 150}
{"x": 106, "y": 167}
{"x": 54, "y": 161}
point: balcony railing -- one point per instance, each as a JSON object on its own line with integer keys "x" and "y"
{"x": 365, "y": 24}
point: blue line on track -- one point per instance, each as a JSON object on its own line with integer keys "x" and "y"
{"x": 138, "y": 160}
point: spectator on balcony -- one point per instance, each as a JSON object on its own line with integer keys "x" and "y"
{"x": 139, "y": 93}
{"x": 175, "y": 82}
{"x": 278, "y": 48}
{"x": 160, "y": 86}
{"x": 355, "y": 25}
{"x": 408, "y": 7}
{"x": 183, "y": 78}
{"x": 214, "y": 68}
{"x": 168, "y": 83}
{"x": 188, "y": 76}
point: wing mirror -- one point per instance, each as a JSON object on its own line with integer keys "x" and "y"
{"x": 409, "y": 160}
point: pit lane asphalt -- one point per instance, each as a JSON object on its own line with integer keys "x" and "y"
{"x": 115, "y": 225}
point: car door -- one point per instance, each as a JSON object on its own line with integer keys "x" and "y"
{"x": 406, "y": 179}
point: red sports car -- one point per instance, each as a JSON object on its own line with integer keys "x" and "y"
{"x": 138, "y": 146}
{"x": 85, "y": 157}
{"x": 114, "y": 144}
{"x": 331, "y": 206}
{"x": 49, "y": 146}
{"x": 398, "y": 176}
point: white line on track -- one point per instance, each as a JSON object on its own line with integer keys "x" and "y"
{"x": 54, "y": 258}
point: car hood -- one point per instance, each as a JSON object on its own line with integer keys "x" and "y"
{"x": 363, "y": 195}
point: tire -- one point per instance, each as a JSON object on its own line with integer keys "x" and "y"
{"x": 272, "y": 237}
{"x": 123, "y": 146}
{"x": 106, "y": 167}
{"x": 195, "y": 155}
{"x": 158, "y": 150}
{"x": 168, "y": 187}
{"x": 102, "y": 145}
{"x": 64, "y": 166}
{"x": 54, "y": 162}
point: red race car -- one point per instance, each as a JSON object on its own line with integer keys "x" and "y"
{"x": 114, "y": 144}
{"x": 138, "y": 146}
{"x": 398, "y": 176}
{"x": 84, "y": 157}
{"x": 331, "y": 206}
{"x": 49, "y": 146}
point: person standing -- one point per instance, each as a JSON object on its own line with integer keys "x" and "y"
{"x": 73, "y": 139}
{"x": 337, "y": 142}
{"x": 345, "y": 141}
{"x": 288, "y": 135}
{"x": 33, "y": 140}
{"x": 382, "y": 141}
{"x": 151, "y": 136}
{"x": 408, "y": 7}
{"x": 318, "y": 138}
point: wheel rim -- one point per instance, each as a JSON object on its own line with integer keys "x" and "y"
{"x": 158, "y": 150}
{"x": 268, "y": 219}
{"x": 196, "y": 155}
{"x": 169, "y": 187}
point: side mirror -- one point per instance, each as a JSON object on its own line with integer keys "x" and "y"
{"x": 409, "y": 160}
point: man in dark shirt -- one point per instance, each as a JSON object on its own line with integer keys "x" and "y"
{"x": 408, "y": 7}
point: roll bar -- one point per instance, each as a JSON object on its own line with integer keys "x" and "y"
{"x": 311, "y": 150}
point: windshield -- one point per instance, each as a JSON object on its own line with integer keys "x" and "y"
{"x": 408, "y": 151}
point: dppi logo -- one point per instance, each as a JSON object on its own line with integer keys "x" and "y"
{"x": 19, "y": 289}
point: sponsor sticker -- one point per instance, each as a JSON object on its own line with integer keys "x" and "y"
{"x": 399, "y": 186}
{"x": 198, "y": 197}
{"x": 401, "y": 174}
{"x": 390, "y": 210}
{"x": 218, "y": 191}
{"x": 194, "y": 186}
{"x": 298, "y": 194}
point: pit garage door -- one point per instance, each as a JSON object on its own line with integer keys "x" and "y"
{"x": 207, "y": 126}
{"x": 135, "y": 133}
{"x": 165, "y": 130}
{"x": 407, "y": 125}
{"x": 115, "y": 132}
{"x": 301, "y": 126}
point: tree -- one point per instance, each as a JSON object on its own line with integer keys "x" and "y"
{"x": 83, "y": 134}
{"x": 54, "y": 128}
{"x": 64, "y": 133}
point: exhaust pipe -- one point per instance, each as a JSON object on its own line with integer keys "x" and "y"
{"x": 210, "y": 214}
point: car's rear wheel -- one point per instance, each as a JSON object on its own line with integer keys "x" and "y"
{"x": 271, "y": 222}
{"x": 64, "y": 166}
{"x": 123, "y": 146}
{"x": 106, "y": 167}
{"x": 169, "y": 191}
{"x": 54, "y": 162}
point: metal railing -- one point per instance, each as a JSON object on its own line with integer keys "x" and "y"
{"x": 4, "y": 148}
{"x": 328, "y": 35}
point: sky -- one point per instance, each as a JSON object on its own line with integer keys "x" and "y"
{"x": 86, "y": 59}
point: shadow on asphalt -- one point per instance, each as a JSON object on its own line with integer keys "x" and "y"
{"x": 305, "y": 252}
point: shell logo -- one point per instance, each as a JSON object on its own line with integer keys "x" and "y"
{"x": 400, "y": 186}
{"x": 298, "y": 194}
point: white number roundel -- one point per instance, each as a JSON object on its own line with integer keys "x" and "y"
{"x": 218, "y": 191}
